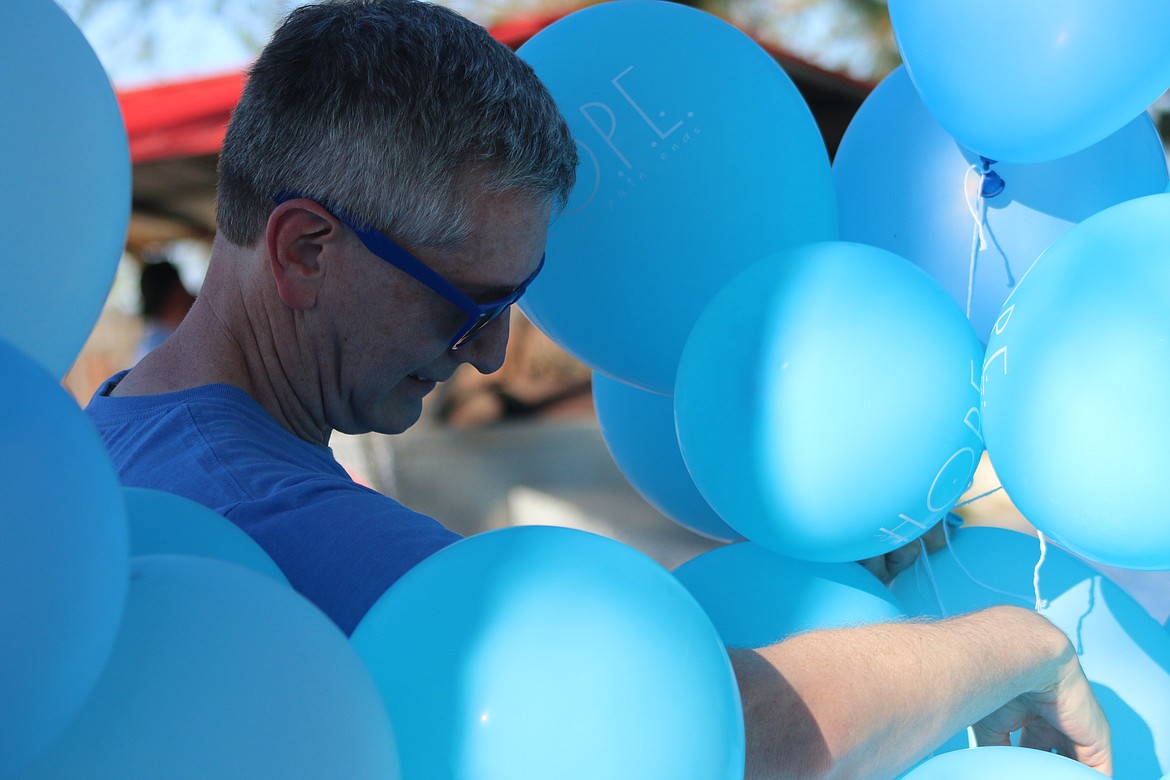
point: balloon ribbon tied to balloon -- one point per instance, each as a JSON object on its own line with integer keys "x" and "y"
{"x": 1039, "y": 603}
{"x": 990, "y": 185}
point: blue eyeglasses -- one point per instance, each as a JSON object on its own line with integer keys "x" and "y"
{"x": 479, "y": 315}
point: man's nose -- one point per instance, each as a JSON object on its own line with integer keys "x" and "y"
{"x": 487, "y": 349}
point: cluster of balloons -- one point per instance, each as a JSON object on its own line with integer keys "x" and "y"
{"x": 833, "y": 340}
{"x": 804, "y": 358}
{"x": 814, "y": 356}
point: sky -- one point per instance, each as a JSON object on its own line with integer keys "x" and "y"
{"x": 148, "y": 41}
{"x": 141, "y": 42}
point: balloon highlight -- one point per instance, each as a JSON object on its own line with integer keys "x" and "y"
{"x": 536, "y": 652}
{"x": 827, "y": 402}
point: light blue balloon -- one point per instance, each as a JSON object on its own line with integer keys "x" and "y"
{"x": 1124, "y": 652}
{"x": 698, "y": 156}
{"x": 1076, "y": 384}
{"x": 64, "y": 558}
{"x": 1034, "y": 81}
{"x": 167, "y": 524}
{"x": 827, "y": 402}
{"x": 64, "y": 184}
{"x": 905, "y": 185}
{"x": 638, "y": 429}
{"x": 1002, "y": 763}
{"x": 538, "y": 652}
{"x": 220, "y": 672}
{"x": 757, "y": 598}
{"x": 1151, "y": 589}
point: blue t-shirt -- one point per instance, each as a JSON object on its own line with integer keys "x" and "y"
{"x": 339, "y": 544}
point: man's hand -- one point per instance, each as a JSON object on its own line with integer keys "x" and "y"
{"x": 886, "y": 567}
{"x": 1061, "y": 714}
{"x": 870, "y": 702}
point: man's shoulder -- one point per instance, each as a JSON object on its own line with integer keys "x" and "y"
{"x": 213, "y": 443}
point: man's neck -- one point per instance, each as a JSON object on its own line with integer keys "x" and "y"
{"x": 220, "y": 342}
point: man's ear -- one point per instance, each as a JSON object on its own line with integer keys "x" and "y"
{"x": 300, "y": 234}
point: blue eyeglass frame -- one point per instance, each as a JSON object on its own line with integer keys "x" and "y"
{"x": 479, "y": 315}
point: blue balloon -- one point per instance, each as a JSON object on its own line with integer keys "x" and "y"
{"x": 1034, "y": 81}
{"x": 220, "y": 672}
{"x": 757, "y": 598}
{"x": 1075, "y": 387}
{"x": 905, "y": 185}
{"x": 698, "y": 157}
{"x": 1151, "y": 589}
{"x": 64, "y": 184}
{"x": 1124, "y": 652}
{"x": 538, "y": 652}
{"x": 827, "y": 402}
{"x": 64, "y": 558}
{"x": 163, "y": 523}
{"x": 638, "y": 429}
{"x": 1002, "y": 763}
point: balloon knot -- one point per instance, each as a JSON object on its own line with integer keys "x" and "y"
{"x": 991, "y": 182}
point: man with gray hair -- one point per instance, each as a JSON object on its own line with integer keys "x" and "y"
{"x": 386, "y": 186}
{"x": 364, "y": 128}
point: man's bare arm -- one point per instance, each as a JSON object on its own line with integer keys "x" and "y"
{"x": 870, "y": 702}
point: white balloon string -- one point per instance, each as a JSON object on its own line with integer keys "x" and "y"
{"x": 978, "y": 210}
{"x": 976, "y": 498}
{"x": 972, "y": 577}
{"x": 925, "y": 558}
{"x": 1040, "y": 603}
{"x": 968, "y": 191}
{"x": 1007, "y": 269}
{"x": 1094, "y": 584}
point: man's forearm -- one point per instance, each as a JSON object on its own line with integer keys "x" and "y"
{"x": 870, "y": 702}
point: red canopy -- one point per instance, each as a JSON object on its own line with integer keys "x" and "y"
{"x": 180, "y": 119}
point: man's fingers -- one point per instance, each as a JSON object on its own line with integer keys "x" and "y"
{"x": 1040, "y": 735}
{"x": 900, "y": 559}
{"x": 985, "y": 737}
{"x": 877, "y": 567}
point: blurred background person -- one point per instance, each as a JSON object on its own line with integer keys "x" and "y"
{"x": 165, "y": 301}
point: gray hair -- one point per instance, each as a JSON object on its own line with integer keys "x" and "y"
{"x": 387, "y": 110}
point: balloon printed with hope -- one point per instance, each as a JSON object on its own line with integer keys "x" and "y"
{"x": 1075, "y": 383}
{"x": 905, "y": 185}
{"x": 698, "y": 156}
{"x": 828, "y": 402}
